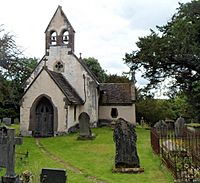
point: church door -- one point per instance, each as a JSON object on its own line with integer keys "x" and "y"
{"x": 44, "y": 118}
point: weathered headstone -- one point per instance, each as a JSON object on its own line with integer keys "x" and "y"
{"x": 16, "y": 121}
{"x": 7, "y": 152}
{"x": 161, "y": 128}
{"x": 84, "y": 127}
{"x": 7, "y": 121}
{"x": 170, "y": 124}
{"x": 53, "y": 175}
{"x": 179, "y": 127}
{"x": 126, "y": 157}
{"x": 142, "y": 122}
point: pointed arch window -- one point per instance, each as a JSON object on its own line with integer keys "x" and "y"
{"x": 53, "y": 38}
{"x": 65, "y": 37}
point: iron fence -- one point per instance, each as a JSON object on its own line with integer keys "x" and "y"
{"x": 181, "y": 154}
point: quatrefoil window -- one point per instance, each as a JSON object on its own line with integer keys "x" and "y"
{"x": 59, "y": 67}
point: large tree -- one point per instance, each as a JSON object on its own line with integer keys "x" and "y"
{"x": 101, "y": 74}
{"x": 9, "y": 54}
{"x": 172, "y": 52}
{"x": 96, "y": 68}
{"x": 14, "y": 70}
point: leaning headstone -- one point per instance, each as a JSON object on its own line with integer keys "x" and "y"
{"x": 126, "y": 157}
{"x": 7, "y": 154}
{"x": 7, "y": 121}
{"x": 179, "y": 127}
{"x": 161, "y": 128}
{"x": 84, "y": 127}
{"x": 53, "y": 175}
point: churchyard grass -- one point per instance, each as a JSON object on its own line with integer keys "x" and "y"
{"x": 92, "y": 160}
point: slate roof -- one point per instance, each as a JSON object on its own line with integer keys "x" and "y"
{"x": 65, "y": 87}
{"x": 115, "y": 94}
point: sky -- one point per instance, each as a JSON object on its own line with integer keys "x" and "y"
{"x": 105, "y": 29}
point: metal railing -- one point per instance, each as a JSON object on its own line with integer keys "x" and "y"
{"x": 181, "y": 154}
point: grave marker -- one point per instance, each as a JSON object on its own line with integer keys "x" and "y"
{"x": 7, "y": 151}
{"x": 126, "y": 157}
{"x": 53, "y": 175}
{"x": 161, "y": 128}
{"x": 84, "y": 125}
{"x": 7, "y": 121}
{"x": 179, "y": 127}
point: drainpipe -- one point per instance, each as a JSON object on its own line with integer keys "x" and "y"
{"x": 84, "y": 88}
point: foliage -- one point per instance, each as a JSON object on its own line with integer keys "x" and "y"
{"x": 14, "y": 70}
{"x": 9, "y": 54}
{"x": 11, "y": 88}
{"x": 96, "y": 68}
{"x": 101, "y": 74}
{"x": 114, "y": 78}
{"x": 173, "y": 51}
{"x": 26, "y": 177}
{"x": 93, "y": 158}
{"x": 153, "y": 110}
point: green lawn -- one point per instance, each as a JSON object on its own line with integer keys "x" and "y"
{"x": 90, "y": 161}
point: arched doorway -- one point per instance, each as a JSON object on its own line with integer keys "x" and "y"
{"x": 44, "y": 118}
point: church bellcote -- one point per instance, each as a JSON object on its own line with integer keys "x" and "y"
{"x": 59, "y": 32}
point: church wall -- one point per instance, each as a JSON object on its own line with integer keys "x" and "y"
{"x": 73, "y": 70}
{"x": 125, "y": 112}
{"x": 34, "y": 74}
{"x": 48, "y": 88}
{"x": 75, "y": 74}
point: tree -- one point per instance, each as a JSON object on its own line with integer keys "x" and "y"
{"x": 14, "y": 70}
{"x": 11, "y": 88}
{"x": 172, "y": 51}
{"x": 101, "y": 74}
{"x": 96, "y": 68}
{"x": 9, "y": 54}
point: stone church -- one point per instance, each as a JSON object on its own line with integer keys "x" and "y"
{"x": 61, "y": 87}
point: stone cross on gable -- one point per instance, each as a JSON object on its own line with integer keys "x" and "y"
{"x": 7, "y": 150}
{"x": 45, "y": 62}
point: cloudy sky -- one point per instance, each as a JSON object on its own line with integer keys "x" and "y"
{"x": 105, "y": 29}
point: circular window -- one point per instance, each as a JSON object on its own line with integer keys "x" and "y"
{"x": 59, "y": 67}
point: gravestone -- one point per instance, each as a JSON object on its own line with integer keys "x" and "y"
{"x": 161, "y": 128}
{"x": 142, "y": 122}
{"x": 7, "y": 154}
{"x": 84, "y": 127}
{"x": 16, "y": 121}
{"x": 179, "y": 127}
{"x": 7, "y": 121}
{"x": 126, "y": 157}
{"x": 53, "y": 175}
